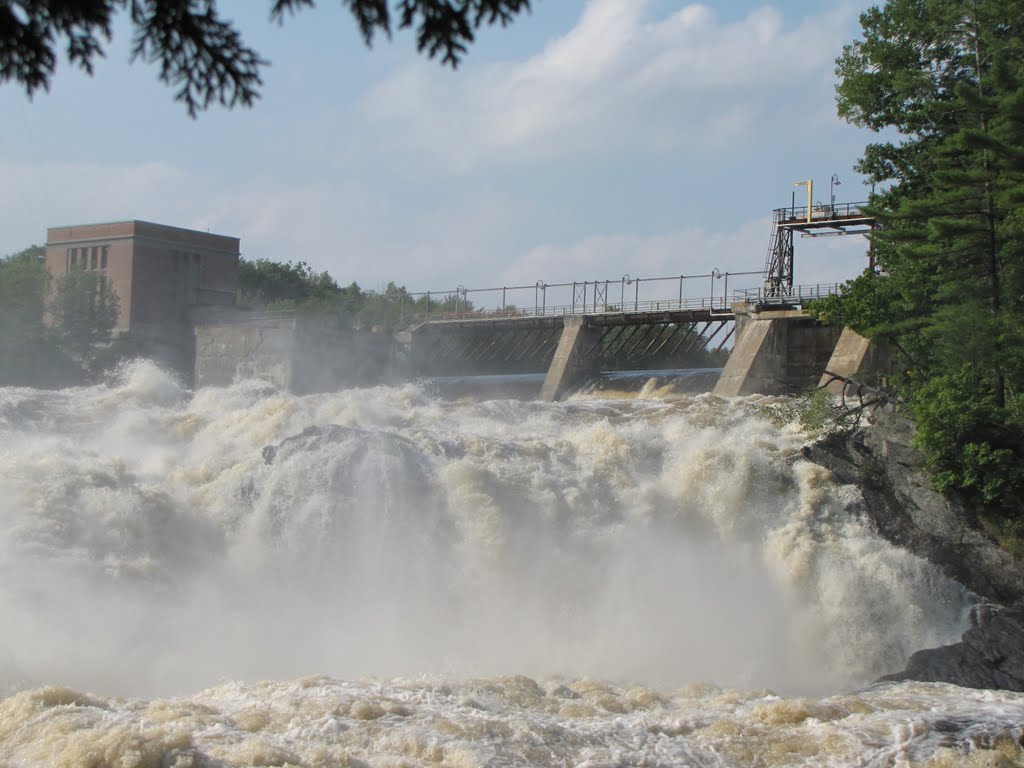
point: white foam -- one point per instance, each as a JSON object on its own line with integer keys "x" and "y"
{"x": 146, "y": 548}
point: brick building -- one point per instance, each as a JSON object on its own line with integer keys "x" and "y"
{"x": 162, "y": 275}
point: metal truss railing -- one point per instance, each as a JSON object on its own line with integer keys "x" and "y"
{"x": 626, "y": 294}
{"x": 560, "y": 310}
{"x": 795, "y": 295}
{"x": 821, "y": 212}
{"x": 637, "y": 295}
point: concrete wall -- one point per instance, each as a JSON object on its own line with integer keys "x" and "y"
{"x": 855, "y": 357}
{"x": 301, "y": 354}
{"x": 251, "y": 348}
{"x": 776, "y": 352}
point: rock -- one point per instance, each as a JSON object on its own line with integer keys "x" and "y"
{"x": 898, "y": 500}
{"x": 270, "y": 451}
{"x": 901, "y": 504}
{"x": 991, "y": 654}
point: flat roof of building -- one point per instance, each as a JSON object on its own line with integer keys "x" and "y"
{"x": 135, "y": 221}
{"x": 129, "y": 228}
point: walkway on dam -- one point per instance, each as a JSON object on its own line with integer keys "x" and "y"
{"x": 568, "y": 330}
{"x": 571, "y": 341}
{"x": 637, "y": 297}
{"x": 571, "y": 330}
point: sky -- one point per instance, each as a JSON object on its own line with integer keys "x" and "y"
{"x": 588, "y": 140}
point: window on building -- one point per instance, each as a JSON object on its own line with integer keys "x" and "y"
{"x": 103, "y": 256}
{"x": 94, "y": 256}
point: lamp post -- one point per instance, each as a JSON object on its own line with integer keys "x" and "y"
{"x": 832, "y": 184}
{"x": 810, "y": 196}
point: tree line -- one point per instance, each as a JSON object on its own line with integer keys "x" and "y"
{"x": 58, "y": 332}
{"x": 53, "y": 338}
{"x": 942, "y": 83}
{"x": 271, "y": 285}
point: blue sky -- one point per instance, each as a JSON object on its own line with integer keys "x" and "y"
{"x": 589, "y": 139}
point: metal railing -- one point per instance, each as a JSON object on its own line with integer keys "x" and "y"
{"x": 796, "y": 295}
{"x": 626, "y": 294}
{"x": 587, "y": 297}
{"x": 560, "y": 310}
{"x": 821, "y": 212}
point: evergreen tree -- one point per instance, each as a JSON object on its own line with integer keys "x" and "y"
{"x": 947, "y": 77}
{"x": 204, "y": 56}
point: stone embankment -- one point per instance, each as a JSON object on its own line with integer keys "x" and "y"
{"x": 901, "y": 504}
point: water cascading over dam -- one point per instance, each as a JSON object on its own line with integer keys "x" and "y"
{"x": 419, "y": 581}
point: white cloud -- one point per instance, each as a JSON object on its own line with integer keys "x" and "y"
{"x": 687, "y": 252}
{"x": 48, "y": 195}
{"x": 553, "y": 189}
{"x": 616, "y": 81}
{"x": 475, "y": 239}
{"x": 350, "y": 229}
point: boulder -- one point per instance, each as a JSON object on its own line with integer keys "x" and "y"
{"x": 990, "y": 655}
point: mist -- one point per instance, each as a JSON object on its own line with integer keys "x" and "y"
{"x": 148, "y": 547}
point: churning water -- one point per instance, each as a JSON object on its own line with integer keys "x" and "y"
{"x": 417, "y": 581}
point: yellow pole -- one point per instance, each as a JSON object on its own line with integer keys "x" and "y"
{"x": 810, "y": 196}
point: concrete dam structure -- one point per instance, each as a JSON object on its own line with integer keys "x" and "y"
{"x": 777, "y": 350}
{"x": 572, "y": 331}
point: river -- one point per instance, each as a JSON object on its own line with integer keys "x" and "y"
{"x": 634, "y": 579}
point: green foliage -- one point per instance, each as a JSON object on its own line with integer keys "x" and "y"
{"x": 270, "y": 285}
{"x": 1007, "y": 531}
{"x": 23, "y": 281}
{"x": 82, "y": 312}
{"x": 202, "y": 55}
{"x": 84, "y": 308}
{"x": 30, "y": 353}
{"x": 947, "y": 79}
{"x": 818, "y": 413}
{"x": 821, "y": 413}
{"x": 970, "y": 444}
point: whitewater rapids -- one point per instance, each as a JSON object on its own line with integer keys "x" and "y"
{"x": 598, "y": 582}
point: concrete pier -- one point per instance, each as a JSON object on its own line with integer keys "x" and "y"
{"x": 854, "y": 356}
{"x": 777, "y": 352}
{"x": 570, "y": 363}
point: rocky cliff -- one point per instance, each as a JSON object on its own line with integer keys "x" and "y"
{"x": 899, "y": 501}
